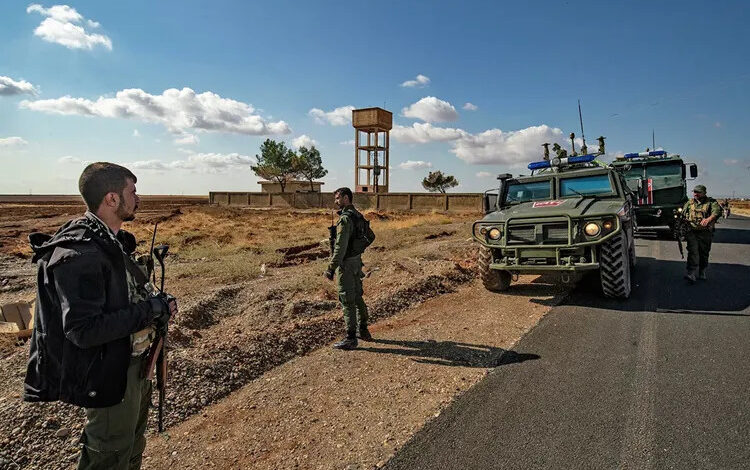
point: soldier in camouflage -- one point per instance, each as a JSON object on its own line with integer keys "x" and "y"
{"x": 701, "y": 212}
{"x": 346, "y": 266}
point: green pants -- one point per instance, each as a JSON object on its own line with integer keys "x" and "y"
{"x": 113, "y": 437}
{"x": 349, "y": 283}
{"x": 698, "y": 248}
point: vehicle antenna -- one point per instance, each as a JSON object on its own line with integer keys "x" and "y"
{"x": 653, "y": 139}
{"x": 584, "y": 149}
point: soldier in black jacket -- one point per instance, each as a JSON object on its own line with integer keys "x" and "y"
{"x": 95, "y": 316}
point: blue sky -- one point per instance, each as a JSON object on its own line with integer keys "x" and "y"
{"x": 185, "y": 92}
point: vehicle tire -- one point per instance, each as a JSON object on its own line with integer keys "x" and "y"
{"x": 614, "y": 267}
{"x": 492, "y": 279}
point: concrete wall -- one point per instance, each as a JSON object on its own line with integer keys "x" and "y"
{"x": 420, "y": 202}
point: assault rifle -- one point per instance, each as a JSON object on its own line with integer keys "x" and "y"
{"x": 157, "y": 354}
{"x": 680, "y": 229}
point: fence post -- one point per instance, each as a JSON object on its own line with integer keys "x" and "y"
{"x": 446, "y": 202}
{"x": 411, "y": 201}
{"x": 377, "y": 202}
{"x": 294, "y": 200}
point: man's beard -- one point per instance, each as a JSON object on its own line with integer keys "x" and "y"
{"x": 123, "y": 214}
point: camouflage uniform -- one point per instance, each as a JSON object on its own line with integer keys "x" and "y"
{"x": 349, "y": 275}
{"x": 699, "y": 237}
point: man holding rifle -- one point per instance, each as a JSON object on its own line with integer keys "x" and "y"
{"x": 96, "y": 315}
{"x": 701, "y": 212}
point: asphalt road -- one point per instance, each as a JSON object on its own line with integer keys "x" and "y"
{"x": 659, "y": 381}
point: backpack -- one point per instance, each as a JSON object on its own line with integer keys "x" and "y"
{"x": 363, "y": 235}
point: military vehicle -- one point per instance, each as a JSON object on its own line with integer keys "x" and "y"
{"x": 659, "y": 180}
{"x": 571, "y": 215}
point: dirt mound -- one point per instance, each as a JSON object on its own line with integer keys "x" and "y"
{"x": 208, "y": 310}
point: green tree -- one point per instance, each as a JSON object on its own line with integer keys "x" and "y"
{"x": 436, "y": 182}
{"x": 309, "y": 165}
{"x": 275, "y": 163}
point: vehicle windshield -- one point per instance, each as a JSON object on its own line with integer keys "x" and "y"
{"x": 670, "y": 169}
{"x": 586, "y": 186}
{"x": 523, "y": 192}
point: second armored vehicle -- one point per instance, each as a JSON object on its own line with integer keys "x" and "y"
{"x": 659, "y": 180}
{"x": 570, "y": 215}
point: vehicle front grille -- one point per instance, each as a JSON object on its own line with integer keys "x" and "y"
{"x": 521, "y": 235}
{"x": 555, "y": 234}
{"x": 548, "y": 233}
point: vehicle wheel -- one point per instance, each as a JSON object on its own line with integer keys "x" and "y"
{"x": 492, "y": 279}
{"x": 614, "y": 267}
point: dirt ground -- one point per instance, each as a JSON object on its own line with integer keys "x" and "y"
{"x": 251, "y": 384}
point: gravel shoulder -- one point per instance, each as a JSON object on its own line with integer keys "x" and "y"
{"x": 334, "y": 409}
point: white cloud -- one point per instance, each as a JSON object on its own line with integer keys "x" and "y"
{"x": 177, "y": 110}
{"x": 421, "y": 81}
{"x": 186, "y": 139}
{"x": 9, "y": 87}
{"x": 414, "y": 165}
{"x": 717, "y": 124}
{"x": 470, "y": 106}
{"x": 63, "y": 25}
{"x": 304, "y": 141}
{"x": 69, "y": 159}
{"x": 493, "y": 146}
{"x": 12, "y": 142}
{"x": 338, "y": 117}
{"x": 727, "y": 161}
{"x": 431, "y": 109}
{"x": 514, "y": 147}
{"x": 347, "y": 142}
{"x": 484, "y": 174}
{"x": 199, "y": 162}
{"x": 422, "y": 133}
{"x": 136, "y": 133}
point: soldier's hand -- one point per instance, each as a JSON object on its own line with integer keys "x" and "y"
{"x": 329, "y": 274}
{"x": 705, "y": 222}
{"x": 163, "y": 307}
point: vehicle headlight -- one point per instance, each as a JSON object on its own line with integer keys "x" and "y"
{"x": 494, "y": 233}
{"x": 607, "y": 225}
{"x": 592, "y": 229}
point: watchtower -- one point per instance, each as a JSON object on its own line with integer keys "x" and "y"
{"x": 371, "y": 152}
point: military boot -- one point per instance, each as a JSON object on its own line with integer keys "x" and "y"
{"x": 364, "y": 334}
{"x": 690, "y": 276}
{"x": 350, "y": 342}
{"x": 702, "y": 276}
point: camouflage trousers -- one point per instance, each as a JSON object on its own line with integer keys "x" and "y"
{"x": 349, "y": 282}
{"x": 698, "y": 248}
{"x": 113, "y": 437}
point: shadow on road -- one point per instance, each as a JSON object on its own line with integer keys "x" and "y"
{"x": 732, "y": 235}
{"x": 450, "y": 353}
{"x": 658, "y": 286}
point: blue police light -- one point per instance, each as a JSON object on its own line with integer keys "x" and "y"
{"x": 654, "y": 153}
{"x": 582, "y": 158}
{"x": 539, "y": 165}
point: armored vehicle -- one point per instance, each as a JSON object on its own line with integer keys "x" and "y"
{"x": 659, "y": 180}
{"x": 572, "y": 214}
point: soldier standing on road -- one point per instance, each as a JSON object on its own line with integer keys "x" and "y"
{"x": 346, "y": 266}
{"x": 701, "y": 213}
{"x": 94, "y": 321}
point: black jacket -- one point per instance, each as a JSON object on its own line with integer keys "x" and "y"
{"x": 80, "y": 346}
